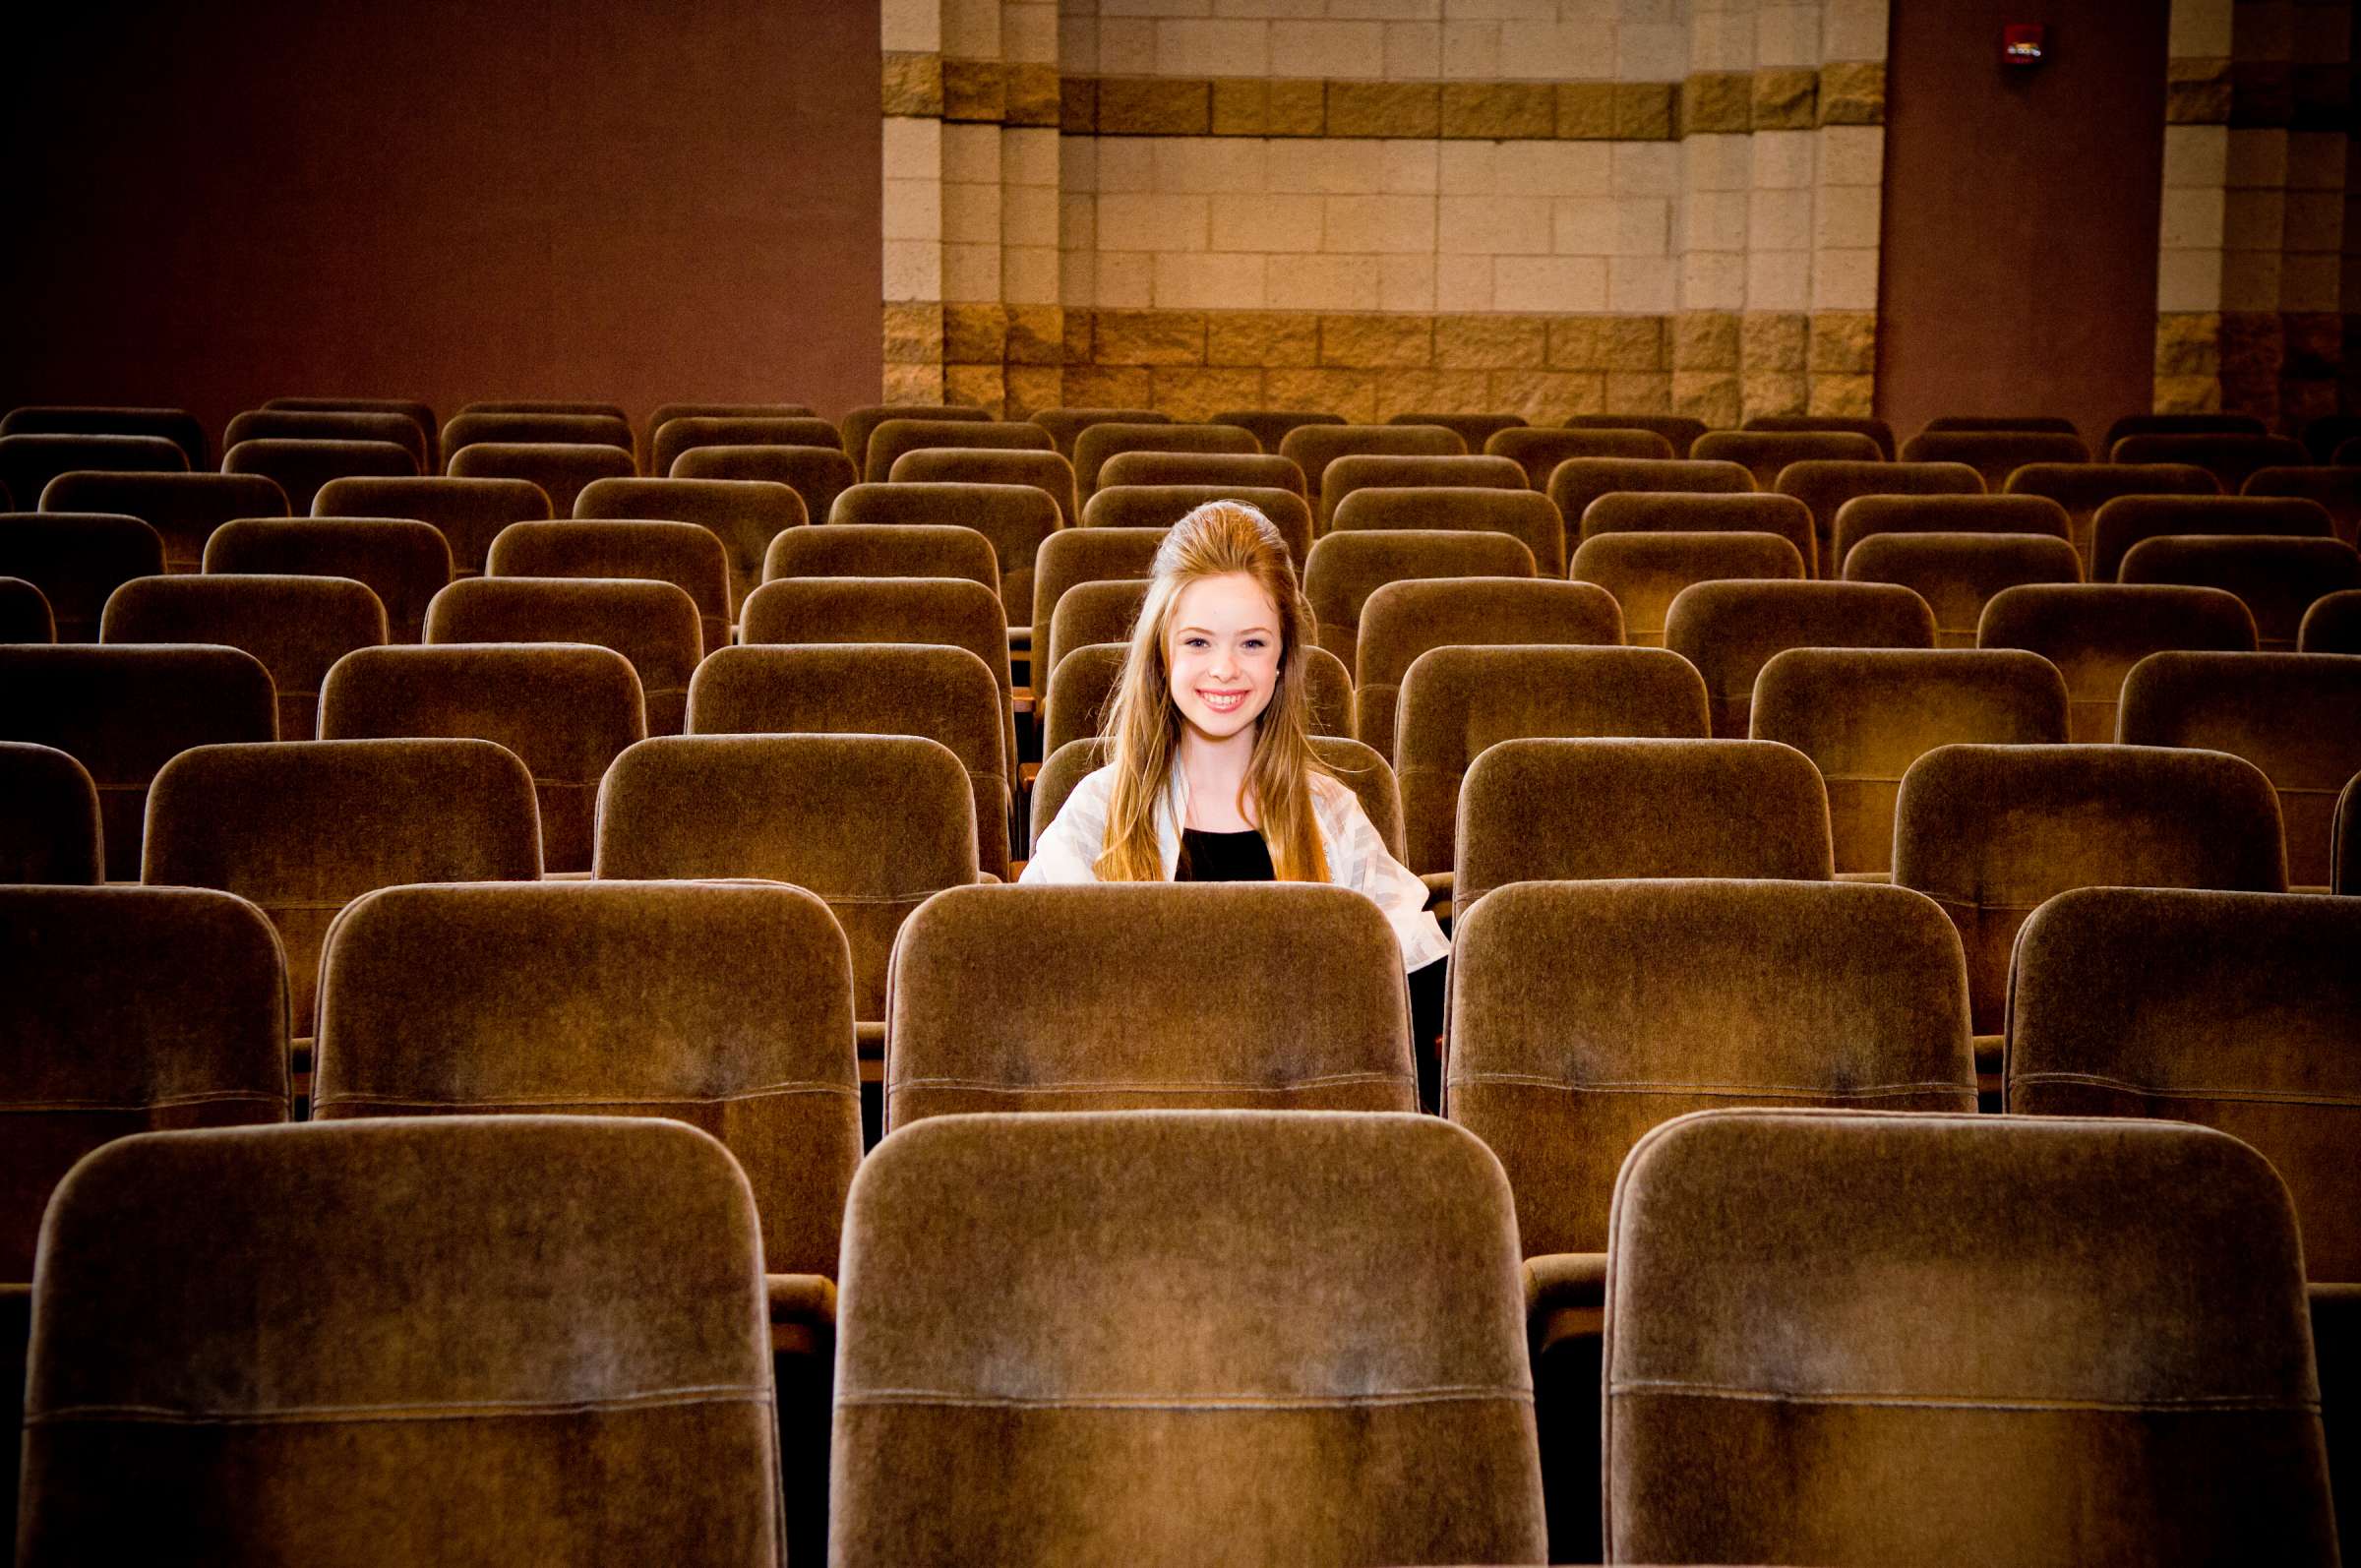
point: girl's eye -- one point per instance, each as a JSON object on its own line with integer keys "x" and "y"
{"x": 1257, "y": 644}
{"x": 1192, "y": 642}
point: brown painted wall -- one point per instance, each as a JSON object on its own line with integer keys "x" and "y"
{"x": 209, "y": 205}
{"x": 2018, "y": 272}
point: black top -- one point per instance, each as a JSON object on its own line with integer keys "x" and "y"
{"x": 1224, "y": 858}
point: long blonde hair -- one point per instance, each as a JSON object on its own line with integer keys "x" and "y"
{"x": 1143, "y": 728}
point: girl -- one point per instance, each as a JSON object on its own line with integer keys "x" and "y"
{"x": 1211, "y": 774}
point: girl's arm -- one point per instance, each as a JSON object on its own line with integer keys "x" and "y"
{"x": 1364, "y": 865}
{"x": 1068, "y": 850}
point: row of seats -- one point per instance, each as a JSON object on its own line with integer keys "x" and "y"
{"x": 1584, "y": 1016}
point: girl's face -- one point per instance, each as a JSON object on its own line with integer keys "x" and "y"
{"x": 1223, "y": 649}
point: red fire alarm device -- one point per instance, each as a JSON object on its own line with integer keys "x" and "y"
{"x": 2023, "y": 42}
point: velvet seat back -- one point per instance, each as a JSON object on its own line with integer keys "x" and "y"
{"x": 1877, "y": 430}
{"x": 1404, "y": 620}
{"x": 2228, "y": 456}
{"x": 124, "y": 712}
{"x": 1730, "y": 629}
{"x": 1525, "y": 516}
{"x": 52, "y": 832}
{"x": 1308, "y": 1328}
{"x": 1347, "y": 566}
{"x": 28, "y": 463}
{"x": 1045, "y": 472}
{"x": 2296, "y": 716}
{"x": 893, "y": 437}
{"x": 2277, "y": 579}
{"x": 296, "y": 625}
{"x": 1459, "y": 701}
{"x": 468, "y": 513}
{"x": 302, "y": 468}
{"x": 1828, "y": 486}
{"x": 1585, "y": 1013}
{"x": 536, "y": 424}
{"x": 1864, "y": 715}
{"x": 1094, "y": 999}
{"x": 2082, "y": 488}
{"x": 567, "y": 711}
{"x": 1538, "y": 450}
{"x": 1680, "y": 430}
{"x": 861, "y": 423}
{"x": 1270, "y": 426}
{"x": 563, "y": 469}
{"x": 1228, "y": 470}
{"x": 1865, "y": 516}
{"x": 2095, "y": 632}
{"x": 185, "y": 509}
{"x": 1083, "y": 555}
{"x": 1996, "y": 454}
{"x": 883, "y": 550}
{"x": 1064, "y": 425}
{"x": 324, "y": 424}
{"x": 1097, "y": 442}
{"x": 1959, "y": 573}
{"x": 319, "y": 1273}
{"x": 1579, "y": 810}
{"x": 687, "y": 555}
{"x": 1019, "y": 519}
{"x": 745, "y": 515}
{"x": 1314, "y": 447}
{"x": 2103, "y": 1323}
{"x": 77, "y": 559}
{"x": 654, "y": 625}
{"x": 1576, "y": 482}
{"x": 175, "y": 425}
{"x": 1645, "y": 573}
{"x": 817, "y": 474}
{"x": 1357, "y": 472}
{"x": 685, "y": 433}
{"x": 406, "y": 563}
{"x": 1473, "y": 429}
{"x": 1093, "y": 612}
{"x": 2127, "y": 521}
{"x": 1765, "y": 453}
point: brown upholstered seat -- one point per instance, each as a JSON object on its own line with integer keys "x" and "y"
{"x": 77, "y": 559}
{"x": 1864, "y": 516}
{"x": 1228, "y": 470}
{"x": 861, "y": 423}
{"x": 883, "y": 550}
{"x": 1585, "y": 1013}
{"x": 2054, "y": 423}
{"x": 322, "y": 424}
{"x": 1352, "y": 472}
{"x": 185, "y": 509}
{"x": 1304, "y": 1330}
{"x": 175, "y": 425}
{"x": 124, "y": 712}
{"x": 1403, "y": 620}
{"x": 727, "y": 1005}
{"x": 1098, "y": 442}
{"x": 2296, "y": 716}
{"x": 1766, "y": 452}
{"x": 566, "y": 709}
{"x": 1730, "y": 629}
{"x": 586, "y": 407}
{"x": 1996, "y": 455}
{"x": 302, "y": 468}
{"x": 665, "y": 413}
{"x": 29, "y": 463}
{"x": 1646, "y": 571}
{"x": 1161, "y": 506}
{"x": 2181, "y": 425}
{"x": 1864, "y": 715}
{"x": 938, "y": 610}
{"x": 687, "y": 555}
{"x": 874, "y": 824}
{"x": 1345, "y": 568}
{"x": 1045, "y": 472}
{"x": 122, "y": 1010}
{"x": 1525, "y": 516}
{"x": 1314, "y": 447}
{"x": 654, "y": 625}
{"x": 1019, "y": 519}
{"x": 420, "y": 414}
{"x": 745, "y": 515}
{"x": 2228, "y": 458}
{"x": 2128, "y": 521}
{"x": 1082, "y": 555}
{"x": 468, "y": 513}
{"x": 1083, "y": 679}
{"x": 311, "y": 1275}
{"x": 403, "y": 562}
{"x": 2082, "y": 488}
{"x": 666, "y": 442}
{"x": 51, "y": 831}
{"x": 1102, "y": 1002}
{"x": 1459, "y": 701}
{"x": 1066, "y": 424}
{"x": 25, "y": 613}
{"x": 2102, "y": 1323}
{"x": 894, "y": 437}
{"x": 2336, "y": 489}
{"x": 2345, "y": 851}
{"x": 1959, "y": 573}
{"x": 945, "y": 694}
{"x": 1538, "y": 450}
{"x": 1578, "y": 482}
{"x": 2095, "y": 632}
{"x": 1094, "y": 612}
{"x": 563, "y": 469}
{"x": 296, "y": 625}
{"x": 1368, "y": 775}
{"x": 1829, "y": 485}
{"x": 1473, "y": 429}
{"x": 1270, "y": 426}
{"x": 1990, "y": 831}
{"x": 546, "y": 425}
{"x": 1701, "y": 511}
{"x": 1578, "y": 809}
{"x": 2333, "y": 625}
{"x": 1681, "y": 430}
{"x": 814, "y": 473}
{"x": 1876, "y": 430}
{"x": 2276, "y": 578}
{"x": 303, "y": 827}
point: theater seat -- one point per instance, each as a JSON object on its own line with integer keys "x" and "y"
{"x": 1538, "y": 452}
{"x": 1523, "y": 515}
{"x": 1957, "y": 1339}
{"x": 25, "y": 613}
{"x": 1347, "y": 566}
{"x": 894, "y": 437}
{"x": 1045, "y": 472}
{"x": 1404, "y": 620}
{"x": 1473, "y": 429}
{"x": 1703, "y": 511}
{"x": 1094, "y": 999}
{"x": 468, "y": 513}
{"x": 1019, "y": 519}
{"x": 175, "y": 425}
{"x": 77, "y": 559}
{"x": 2229, "y": 457}
{"x": 2333, "y": 625}
{"x": 535, "y": 424}
{"x": 1313, "y": 446}
{"x": 2278, "y": 579}
{"x": 1766, "y": 454}
{"x": 1865, "y": 516}
{"x": 28, "y": 463}
{"x": 1680, "y": 430}
{"x": 745, "y": 515}
{"x": 556, "y": 1322}
{"x": 1959, "y": 573}
{"x": 406, "y": 563}
{"x": 1730, "y": 629}
{"x": 686, "y": 433}
{"x": 304, "y": 467}
{"x": 1064, "y": 425}
{"x": 1228, "y": 470}
{"x": 2095, "y": 632}
{"x": 817, "y": 474}
{"x": 883, "y": 550}
{"x": 51, "y": 833}
{"x": 1577, "y": 482}
{"x": 1354, "y": 472}
{"x": 1581, "y": 810}
{"x": 296, "y": 625}
{"x": 2128, "y": 521}
{"x": 1645, "y": 573}
{"x": 654, "y": 625}
{"x": 1876, "y": 430}
{"x": 1082, "y": 555}
{"x": 1585, "y": 1013}
{"x": 1301, "y": 1331}
{"x": 1270, "y": 426}
{"x": 327, "y": 424}
{"x": 688, "y": 555}
{"x": 561, "y": 469}
{"x": 1996, "y": 455}
{"x": 2082, "y": 488}
{"x": 859, "y": 423}
{"x": 1094, "y": 612}
{"x": 185, "y": 509}
{"x": 1828, "y": 487}
{"x": 1101, "y": 440}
